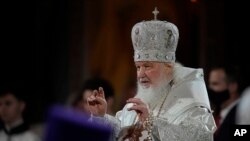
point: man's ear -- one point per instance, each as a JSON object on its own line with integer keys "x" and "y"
{"x": 169, "y": 67}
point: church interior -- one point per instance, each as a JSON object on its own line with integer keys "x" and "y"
{"x": 55, "y": 47}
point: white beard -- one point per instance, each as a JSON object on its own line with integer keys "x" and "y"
{"x": 152, "y": 96}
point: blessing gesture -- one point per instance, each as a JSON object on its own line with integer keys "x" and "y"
{"x": 97, "y": 103}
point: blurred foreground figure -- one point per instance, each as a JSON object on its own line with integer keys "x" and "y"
{"x": 171, "y": 101}
{"x": 12, "y": 106}
{"x": 65, "y": 124}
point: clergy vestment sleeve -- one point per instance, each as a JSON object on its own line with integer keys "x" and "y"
{"x": 196, "y": 124}
{"x": 109, "y": 121}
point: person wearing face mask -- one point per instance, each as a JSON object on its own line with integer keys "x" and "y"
{"x": 224, "y": 96}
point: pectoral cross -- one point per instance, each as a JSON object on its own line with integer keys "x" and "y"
{"x": 155, "y": 12}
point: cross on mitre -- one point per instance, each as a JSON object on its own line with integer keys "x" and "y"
{"x": 155, "y": 12}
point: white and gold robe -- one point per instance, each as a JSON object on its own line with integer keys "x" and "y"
{"x": 185, "y": 114}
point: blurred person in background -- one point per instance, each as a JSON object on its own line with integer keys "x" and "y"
{"x": 76, "y": 101}
{"x": 80, "y": 101}
{"x": 224, "y": 94}
{"x": 12, "y": 107}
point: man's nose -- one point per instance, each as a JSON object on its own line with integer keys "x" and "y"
{"x": 141, "y": 73}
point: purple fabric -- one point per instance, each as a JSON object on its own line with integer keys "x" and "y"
{"x": 64, "y": 124}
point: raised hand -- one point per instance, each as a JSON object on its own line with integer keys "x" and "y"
{"x": 97, "y": 103}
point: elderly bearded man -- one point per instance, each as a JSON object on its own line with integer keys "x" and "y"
{"x": 171, "y": 102}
